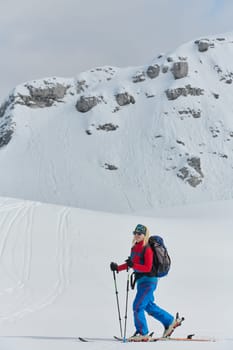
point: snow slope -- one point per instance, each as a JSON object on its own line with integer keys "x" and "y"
{"x": 125, "y": 140}
{"x": 55, "y": 282}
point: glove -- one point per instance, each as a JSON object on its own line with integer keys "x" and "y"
{"x": 129, "y": 262}
{"x": 114, "y": 266}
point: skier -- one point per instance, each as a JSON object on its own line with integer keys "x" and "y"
{"x": 146, "y": 285}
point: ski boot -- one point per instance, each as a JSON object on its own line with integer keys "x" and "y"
{"x": 170, "y": 329}
{"x": 137, "y": 337}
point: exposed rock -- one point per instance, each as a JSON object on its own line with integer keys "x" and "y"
{"x": 107, "y": 127}
{"x": 183, "y": 173}
{"x": 149, "y": 95}
{"x": 153, "y": 71}
{"x": 226, "y": 76}
{"x": 139, "y": 77}
{"x": 5, "y": 137}
{"x": 195, "y": 114}
{"x": 194, "y": 181}
{"x": 218, "y": 69}
{"x": 81, "y": 86}
{"x": 55, "y": 92}
{"x": 180, "y": 142}
{"x": 173, "y": 94}
{"x": 43, "y": 96}
{"x": 222, "y": 155}
{"x": 180, "y": 69}
{"x": 195, "y": 163}
{"x": 4, "y": 107}
{"x": 110, "y": 166}
{"x": 214, "y": 131}
{"x": 183, "y": 58}
{"x": 192, "y": 173}
{"x": 190, "y": 112}
{"x": 116, "y": 109}
{"x": 215, "y": 95}
{"x": 203, "y": 45}
{"x": 124, "y": 99}
{"x": 85, "y": 104}
{"x": 6, "y": 122}
{"x": 165, "y": 69}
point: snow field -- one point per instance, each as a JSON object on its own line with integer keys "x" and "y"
{"x": 55, "y": 282}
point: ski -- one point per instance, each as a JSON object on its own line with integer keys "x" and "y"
{"x": 154, "y": 339}
{"x": 188, "y": 338}
{"x": 93, "y": 339}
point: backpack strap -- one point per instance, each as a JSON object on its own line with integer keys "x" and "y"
{"x": 152, "y": 273}
{"x": 143, "y": 253}
{"x": 136, "y": 275}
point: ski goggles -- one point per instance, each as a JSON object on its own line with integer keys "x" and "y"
{"x": 140, "y": 230}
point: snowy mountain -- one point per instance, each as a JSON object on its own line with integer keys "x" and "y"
{"x": 125, "y": 139}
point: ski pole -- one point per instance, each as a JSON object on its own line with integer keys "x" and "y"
{"x": 117, "y": 298}
{"x": 126, "y": 305}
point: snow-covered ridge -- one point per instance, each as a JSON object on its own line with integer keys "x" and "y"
{"x": 125, "y": 139}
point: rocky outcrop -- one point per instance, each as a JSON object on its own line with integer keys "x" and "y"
{"x": 204, "y": 44}
{"x": 189, "y": 112}
{"x": 4, "y": 106}
{"x": 192, "y": 173}
{"x": 85, "y": 104}
{"x": 108, "y": 166}
{"x": 107, "y": 127}
{"x": 40, "y": 97}
{"x": 6, "y": 123}
{"x": 195, "y": 163}
{"x": 165, "y": 69}
{"x": 81, "y": 85}
{"x": 5, "y": 136}
{"x": 124, "y": 99}
{"x": 139, "y": 77}
{"x": 180, "y": 69}
{"x": 153, "y": 71}
{"x": 226, "y": 76}
{"x": 170, "y": 59}
{"x": 173, "y": 94}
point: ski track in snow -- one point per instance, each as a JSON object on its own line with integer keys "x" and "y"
{"x": 130, "y": 206}
{"x": 16, "y": 267}
{"x": 34, "y": 148}
{"x": 63, "y": 252}
{"x": 52, "y": 173}
{"x": 5, "y": 227}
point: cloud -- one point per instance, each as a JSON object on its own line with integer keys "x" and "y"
{"x": 64, "y": 37}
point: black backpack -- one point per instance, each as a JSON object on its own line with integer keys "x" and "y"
{"x": 161, "y": 259}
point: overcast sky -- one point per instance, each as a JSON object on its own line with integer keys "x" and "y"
{"x": 42, "y": 38}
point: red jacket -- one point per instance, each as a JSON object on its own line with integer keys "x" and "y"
{"x": 136, "y": 255}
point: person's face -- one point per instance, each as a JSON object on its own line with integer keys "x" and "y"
{"x": 139, "y": 237}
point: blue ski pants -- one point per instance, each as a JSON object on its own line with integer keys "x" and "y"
{"x": 144, "y": 301}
